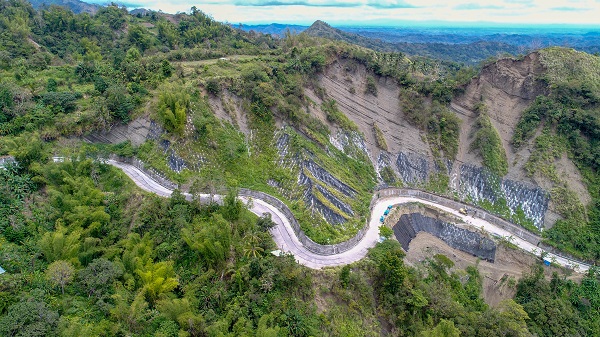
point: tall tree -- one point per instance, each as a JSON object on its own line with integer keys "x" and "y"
{"x": 60, "y": 273}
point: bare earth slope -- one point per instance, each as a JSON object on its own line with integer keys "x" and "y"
{"x": 506, "y": 87}
{"x": 364, "y": 109}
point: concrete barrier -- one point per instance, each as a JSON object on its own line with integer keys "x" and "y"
{"x": 305, "y": 240}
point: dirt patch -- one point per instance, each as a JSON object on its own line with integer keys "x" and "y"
{"x": 228, "y": 107}
{"x": 499, "y": 278}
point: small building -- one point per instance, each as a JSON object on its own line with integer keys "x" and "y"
{"x": 2, "y": 271}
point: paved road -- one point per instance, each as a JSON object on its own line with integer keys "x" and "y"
{"x": 286, "y": 240}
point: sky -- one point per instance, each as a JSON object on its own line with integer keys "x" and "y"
{"x": 387, "y": 12}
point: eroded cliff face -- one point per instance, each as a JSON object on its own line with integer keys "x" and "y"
{"x": 506, "y": 87}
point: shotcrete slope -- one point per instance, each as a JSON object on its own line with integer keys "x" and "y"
{"x": 287, "y": 241}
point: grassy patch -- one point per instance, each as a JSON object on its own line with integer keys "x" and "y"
{"x": 334, "y": 115}
{"x": 548, "y": 147}
{"x": 487, "y": 142}
{"x": 500, "y": 208}
{"x": 379, "y": 137}
{"x": 438, "y": 183}
{"x": 389, "y": 177}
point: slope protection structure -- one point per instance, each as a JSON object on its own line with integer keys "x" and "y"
{"x": 288, "y": 241}
{"x": 506, "y": 87}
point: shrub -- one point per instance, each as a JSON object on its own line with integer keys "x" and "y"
{"x": 61, "y": 101}
{"x": 487, "y": 142}
{"x": 371, "y": 86}
{"x": 172, "y": 108}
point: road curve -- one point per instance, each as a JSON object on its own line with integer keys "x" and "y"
{"x": 286, "y": 239}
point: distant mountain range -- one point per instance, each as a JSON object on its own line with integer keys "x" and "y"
{"x": 471, "y": 53}
{"x": 461, "y": 44}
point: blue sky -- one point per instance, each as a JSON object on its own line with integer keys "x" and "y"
{"x": 388, "y": 12}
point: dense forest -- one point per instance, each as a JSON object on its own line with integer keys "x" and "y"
{"x": 87, "y": 253}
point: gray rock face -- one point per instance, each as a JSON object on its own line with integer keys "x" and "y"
{"x": 351, "y": 143}
{"x": 137, "y": 132}
{"x": 315, "y": 204}
{"x": 326, "y": 177}
{"x": 413, "y": 168}
{"x": 478, "y": 184}
{"x": 531, "y": 199}
{"x": 334, "y": 200}
{"x": 459, "y": 238}
{"x": 7, "y": 160}
{"x": 314, "y": 178}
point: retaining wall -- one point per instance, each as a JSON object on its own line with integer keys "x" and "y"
{"x": 515, "y": 230}
{"x": 305, "y": 240}
{"x": 462, "y": 239}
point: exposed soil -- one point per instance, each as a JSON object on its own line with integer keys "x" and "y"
{"x": 228, "y": 107}
{"x": 364, "y": 109}
{"x": 507, "y": 88}
{"x": 509, "y": 263}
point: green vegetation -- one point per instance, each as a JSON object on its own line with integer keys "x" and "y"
{"x": 500, "y": 207}
{"x": 389, "y": 177}
{"x": 173, "y": 104}
{"x": 570, "y": 123}
{"x": 574, "y": 306}
{"x": 87, "y": 253}
{"x": 488, "y": 144}
{"x": 548, "y": 147}
{"x": 379, "y": 137}
{"x": 356, "y": 171}
{"x": 334, "y": 115}
{"x": 439, "y": 124}
{"x": 115, "y": 260}
{"x": 438, "y": 183}
{"x": 371, "y": 86}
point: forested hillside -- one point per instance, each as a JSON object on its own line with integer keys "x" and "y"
{"x": 312, "y": 121}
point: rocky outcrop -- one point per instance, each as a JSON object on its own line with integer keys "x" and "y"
{"x": 319, "y": 186}
{"x": 327, "y": 178}
{"x": 7, "y": 160}
{"x": 137, "y": 132}
{"x": 462, "y": 239}
{"x": 478, "y": 184}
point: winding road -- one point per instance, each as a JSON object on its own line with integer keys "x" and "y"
{"x": 287, "y": 241}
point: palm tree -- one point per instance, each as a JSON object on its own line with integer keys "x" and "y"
{"x": 252, "y": 247}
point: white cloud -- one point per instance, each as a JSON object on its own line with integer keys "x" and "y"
{"x": 389, "y": 11}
